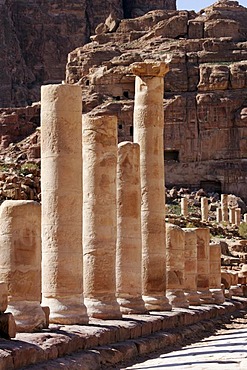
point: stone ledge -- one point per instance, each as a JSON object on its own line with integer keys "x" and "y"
{"x": 108, "y": 342}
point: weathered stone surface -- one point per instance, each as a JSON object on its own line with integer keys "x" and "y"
{"x": 3, "y": 296}
{"x": 129, "y": 242}
{"x": 62, "y": 267}
{"x": 148, "y": 133}
{"x": 100, "y": 215}
{"x": 20, "y": 263}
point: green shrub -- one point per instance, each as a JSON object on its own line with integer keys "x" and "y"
{"x": 242, "y": 230}
{"x": 27, "y": 168}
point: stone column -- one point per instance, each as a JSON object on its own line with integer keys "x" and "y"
{"x": 129, "y": 243}
{"x": 100, "y": 215}
{"x": 7, "y": 321}
{"x": 204, "y": 209}
{"x": 61, "y": 185}
{"x": 215, "y": 273}
{"x": 218, "y": 215}
{"x": 148, "y": 133}
{"x": 203, "y": 265}
{"x": 245, "y": 217}
{"x": 232, "y": 216}
{"x": 20, "y": 262}
{"x": 175, "y": 264}
{"x": 190, "y": 267}
{"x": 224, "y": 207}
{"x": 237, "y": 216}
{"x": 184, "y": 207}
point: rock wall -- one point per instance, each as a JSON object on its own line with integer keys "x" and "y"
{"x": 37, "y": 35}
{"x": 205, "y": 91}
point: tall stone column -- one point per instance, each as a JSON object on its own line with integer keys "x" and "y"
{"x": 215, "y": 273}
{"x": 100, "y": 215}
{"x": 245, "y": 217}
{"x": 203, "y": 265}
{"x": 218, "y": 215}
{"x": 148, "y": 133}
{"x": 175, "y": 264}
{"x": 20, "y": 262}
{"x": 232, "y": 216}
{"x": 237, "y": 216}
{"x": 224, "y": 207}
{"x": 204, "y": 209}
{"x": 129, "y": 243}
{"x": 184, "y": 207}
{"x": 190, "y": 267}
{"x": 61, "y": 185}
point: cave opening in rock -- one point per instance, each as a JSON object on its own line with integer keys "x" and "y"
{"x": 211, "y": 186}
{"x": 171, "y": 155}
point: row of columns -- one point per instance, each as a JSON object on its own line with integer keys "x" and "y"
{"x": 103, "y": 231}
{"x": 223, "y": 213}
{"x": 193, "y": 268}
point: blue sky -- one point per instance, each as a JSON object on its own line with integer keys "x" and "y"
{"x": 200, "y": 4}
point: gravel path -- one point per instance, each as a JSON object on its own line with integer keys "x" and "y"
{"x": 225, "y": 349}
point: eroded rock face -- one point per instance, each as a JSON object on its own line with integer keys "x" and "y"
{"x": 205, "y": 90}
{"x": 36, "y": 37}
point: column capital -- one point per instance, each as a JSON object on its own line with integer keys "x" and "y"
{"x": 150, "y": 68}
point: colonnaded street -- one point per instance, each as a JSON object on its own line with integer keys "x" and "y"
{"x": 226, "y": 349}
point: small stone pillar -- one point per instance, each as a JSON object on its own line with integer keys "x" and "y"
{"x": 148, "y": 133}
{"x": 175, "y": 264}
{"x": 20, "y": 262}
{"x": 203, "y": 265}
{"x": 224, "y": 207}
{"x": 218, "y": 215}
{"x": 61, "y": 186}
{"x": 184, "y": 207}
{"x": 190, "y": 267}
{"x": 204, "y": 209}
{"x": 7, "y": 321}
{"x": 237, "y": 216}
{"x": 245, "y": 217}
{"x": 129, "y": 243}
{"x": 232, "y": 216}
{"x": 100, "y": 215}
{"x": 215, "y": 273}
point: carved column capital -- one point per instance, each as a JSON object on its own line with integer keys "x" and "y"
{"x": 150, "y": 68}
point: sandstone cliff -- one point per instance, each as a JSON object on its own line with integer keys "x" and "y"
{"x": 37, "y": 35}
{"x": 205, "y": 91}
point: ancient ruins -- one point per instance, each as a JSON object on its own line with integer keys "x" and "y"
{"x": 102, "y": 241}
{"x": 88, "y": 235}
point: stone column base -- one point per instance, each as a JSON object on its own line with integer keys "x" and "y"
{"x": 192, "y": 297}
{"x": 7, "y": 326}
{"x": 104, "y": 308}
{"x": 206, "y": 296}
{"x": 28, "y": 316}
{"x": 131, "y": 305}
{"x": 177, "y": 298}
{"x": 157, "y": 303}
{"x": 236, "y": 290}
{"x": 67, "y": 311}
{"x": 218, "y": 295}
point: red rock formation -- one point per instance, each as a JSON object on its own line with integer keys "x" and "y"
{"x": 205, "y": 90}
{"x": 36, "y": 37}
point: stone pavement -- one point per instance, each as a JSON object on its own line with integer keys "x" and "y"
{"x": 105, "y": 343}
{"x": 218, "y": 352}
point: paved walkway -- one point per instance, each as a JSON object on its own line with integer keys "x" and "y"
{"x": 223, "y": 351}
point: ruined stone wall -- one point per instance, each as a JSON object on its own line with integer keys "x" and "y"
{"x": 37, "y": 35}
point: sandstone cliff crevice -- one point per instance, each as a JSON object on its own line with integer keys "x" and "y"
{"x": 36, "y": 37}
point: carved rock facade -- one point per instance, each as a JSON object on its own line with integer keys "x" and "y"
{"x": 36, "y": 37}
{"x": 205, "y": 99}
